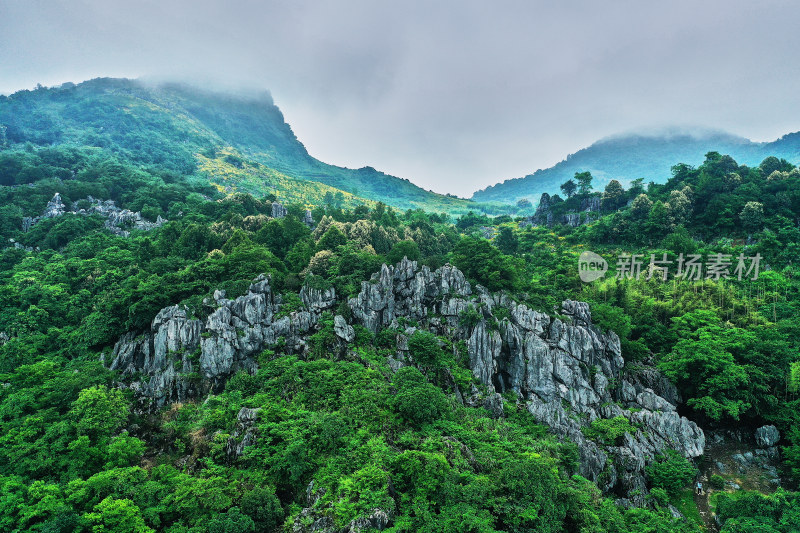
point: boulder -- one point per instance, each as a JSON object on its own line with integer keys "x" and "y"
{"x": 767, "y": 436}
{"x": 342, "y": 329}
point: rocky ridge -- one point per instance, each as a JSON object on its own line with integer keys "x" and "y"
{"x": 564, "y": 370}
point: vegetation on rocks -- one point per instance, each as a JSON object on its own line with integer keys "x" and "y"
{"x": 351, "y": 417}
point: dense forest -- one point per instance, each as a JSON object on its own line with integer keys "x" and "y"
{"x": 334, "y": 436}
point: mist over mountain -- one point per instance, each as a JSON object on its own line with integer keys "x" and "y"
{"x": 648, "y": 155}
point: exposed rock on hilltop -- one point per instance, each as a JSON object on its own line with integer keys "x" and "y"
{"x": 568, "y": 373}
{"x": 543, "y": 216}
{"x": 118, "y": 220}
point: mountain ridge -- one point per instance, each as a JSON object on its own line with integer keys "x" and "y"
{"x": 181, "y": 127}
{"x": 648, "y": 155}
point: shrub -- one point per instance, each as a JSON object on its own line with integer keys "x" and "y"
{"x": 263, "y": 507}
{"x": 660, "y": 496}
{"x": 417, "y": 402}
{"x": 232, "y": 521}
{"x": 609, "y": 431}
{"x": 671, "y": 473}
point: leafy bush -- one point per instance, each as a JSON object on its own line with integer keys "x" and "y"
{"x": 609, "y": 431}
{"x": 672, "y": 472}
{"x": 417, "y": 402}
{"x": 660, "y": 496}
{"x": 263, "y": 507}
{"x": 232, "y": 521}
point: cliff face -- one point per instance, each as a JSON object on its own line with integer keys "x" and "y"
{"x": 566, "y": 371}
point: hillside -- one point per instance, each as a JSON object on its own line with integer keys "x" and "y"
{"x": 238, "y": 143}
{"x": 179, "y": 355}
{"x": 628, "y": 157}
{"x": 239, "y": 368}
{"x": 177, "y": 359}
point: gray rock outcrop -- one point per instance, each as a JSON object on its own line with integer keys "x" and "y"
{"x": 316, "y": 518}
{"x": 278, "y": 210}
{"x": 244, "y": 434}
{"x": 767, "y": 436}
{"x": 567, "y": 372}
{"x": 54, "y": 208}
{"x": 543, "y": 216}
{"x": 118, "y": 221}
{"x": 181, "y": 357}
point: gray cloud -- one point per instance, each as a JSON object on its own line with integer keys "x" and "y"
{"x": 452, "y": 95}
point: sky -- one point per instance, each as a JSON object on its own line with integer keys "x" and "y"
{"x": 454, "y": 96}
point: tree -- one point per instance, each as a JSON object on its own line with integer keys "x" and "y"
{"x": 640, "y": 208}
{"x": 773, "y": 164}
{"x": 569, "y": 187}
{"x": 636, "y": 188}
{"x": 332, "y": 239}
{"x": 524, "y": 203}
{"x": 263, "y": 507}
{"x": 117, "y": 516}
{"x": 424, "y": 348}
{"x": 99, "y": 412}
{"x": 679, "y": 208}
{"x": 613, "y": 196}
{"x": 485, "y": 264}
{"x": 402, "y": 249}
{"x": 419, "y": 404}
{"x": 232, "y": 521}
{"x": 584, "y": 180}
{"x": 671, "y": 473}
{"x": 507, "y": 241}
{"x": 752, "y": 216}
{"x": 703, "y": 365}
{"x": 658, "y": 220}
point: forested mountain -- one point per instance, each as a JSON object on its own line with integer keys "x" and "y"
{"x": 646, "y": 156}
{"x": 175, "y": 357}
{"x": 238, "y": 143}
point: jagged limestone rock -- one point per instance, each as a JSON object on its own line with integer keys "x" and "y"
{"x": 543, "y": 216}
{"x": 315, "y": 518}
{"x": 117, "y": 220}
{"x": 244, "y": 435}
{"x": 767, "y": 436}
{"x": 278, "y": 210}
{"x": 181, "y": 357}
{"x": 342, "y": 329}
{"x": 567, "y": 372}
{"x": 562, "y": 369}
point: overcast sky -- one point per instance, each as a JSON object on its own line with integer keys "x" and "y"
{"x": 452, "y": 95}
